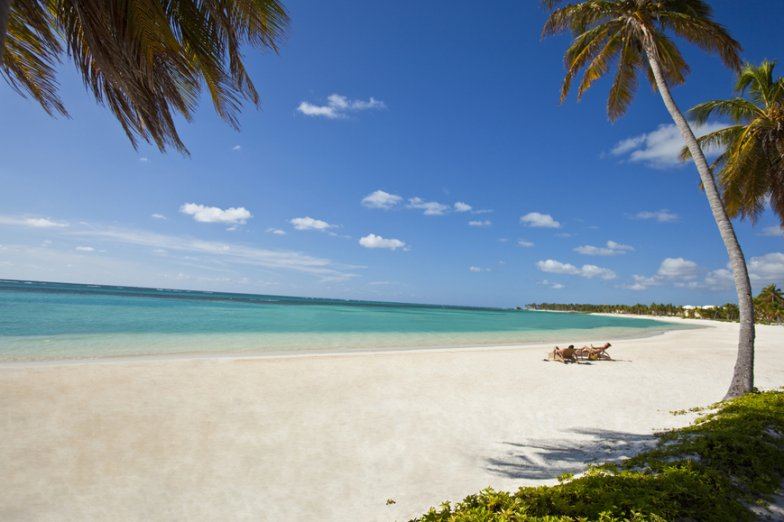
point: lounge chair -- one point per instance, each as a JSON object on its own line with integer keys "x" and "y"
{"x": 564, "y": 355}
{"x": 594, "y": 353}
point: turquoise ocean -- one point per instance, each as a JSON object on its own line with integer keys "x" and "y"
{"x": 40, "y": 321}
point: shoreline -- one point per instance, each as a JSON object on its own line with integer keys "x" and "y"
{"x": 281, "y": 354}
{"x": 280, "y": 438}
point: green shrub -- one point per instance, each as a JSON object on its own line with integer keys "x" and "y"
{"x": 713, "y": 470}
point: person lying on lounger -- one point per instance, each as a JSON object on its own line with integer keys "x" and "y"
{"x": 564, "y": 355}
{"x": 594, "y": 353}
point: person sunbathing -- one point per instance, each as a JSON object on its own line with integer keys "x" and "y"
{"x": 564, "y": 355}
{"x": 594, "y": 353}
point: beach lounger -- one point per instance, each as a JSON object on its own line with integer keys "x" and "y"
{"x": 564, "y": 355}
{"x": 594, "y": 353}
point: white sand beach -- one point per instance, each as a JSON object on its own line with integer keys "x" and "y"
{"x": 333, "y": 437}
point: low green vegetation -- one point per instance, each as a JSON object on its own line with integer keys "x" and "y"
{"x": 731, "y": 458}
{"x": 768, "y": 308}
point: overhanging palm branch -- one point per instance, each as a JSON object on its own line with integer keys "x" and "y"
{"x": 146, "y": 60}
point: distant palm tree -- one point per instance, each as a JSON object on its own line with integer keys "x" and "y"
{"x": 634, "y": 33}
{"x": 143, "y": 59}
{"x": 770, "y": 303}
{"x": 751, "y": 166}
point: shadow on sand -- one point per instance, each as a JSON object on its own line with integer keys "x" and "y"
{"x": 542, "y": 459}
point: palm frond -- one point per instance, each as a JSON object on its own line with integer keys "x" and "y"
{"x": 30, "y": 52}
{"x": 736, "y": 109}
{"x": 145, "y": 60}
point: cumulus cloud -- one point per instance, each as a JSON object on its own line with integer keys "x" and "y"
{"x": 276, "y": 231}
{"x": 675, "y": 270}
{"x": 539, "y": 220}
{"x": 767, "y": 268}
{"x": 31, "y": 222}
{"x": 459, "y": 206}
{"x": 374, "y": 241}
{"x": 660, "y": 148}
{"x": 381, "y": 199}
{"x": 764, "y": 269}
{"x": 205, "y": 214}
{"x": 157, "y": 216}
{"x": 678, "y": 267}
{"x": 477, "y": 269}
{"x": 588, "y": 271}
{"x": 662, "y": 216}
{"x": 339, "y": 106}
{"x": 480, "y": 223}
{"x": 309, "y": 223}
{"x": 524, "y": 244}
{"x": 431, "y": 208}
{"x": 611, "y": 248}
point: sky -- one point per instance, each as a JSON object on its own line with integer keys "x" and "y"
{"x": 403, "y": 151}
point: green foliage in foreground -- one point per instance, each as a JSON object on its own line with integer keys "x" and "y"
{"x": 728, "y": 459}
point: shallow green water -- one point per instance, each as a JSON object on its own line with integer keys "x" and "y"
{"x": 57, "y": 320}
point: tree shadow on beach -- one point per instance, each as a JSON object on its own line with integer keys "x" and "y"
{"x": 542, "y": 459}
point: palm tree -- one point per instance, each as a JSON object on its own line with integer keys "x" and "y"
{"x": 770, "y": 303}
{"x": 634, "y": 32}
{"x": 146, "y": 60}
{"x": 751, "y": 167}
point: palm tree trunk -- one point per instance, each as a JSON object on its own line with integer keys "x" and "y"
{"x": 5, "y": 7}
{"x": 743, "y": 375}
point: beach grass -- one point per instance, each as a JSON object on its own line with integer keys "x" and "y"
{"x": 722, "y": 467}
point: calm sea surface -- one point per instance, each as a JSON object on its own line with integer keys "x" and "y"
{"x": 63, "y": 321}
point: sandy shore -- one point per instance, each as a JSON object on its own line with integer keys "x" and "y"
{"x": 334, "y": 437}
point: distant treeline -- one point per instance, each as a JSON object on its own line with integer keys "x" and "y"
{"x": 768, "y": 308}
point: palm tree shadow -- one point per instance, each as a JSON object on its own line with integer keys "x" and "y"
{"x": 542, "y": 459}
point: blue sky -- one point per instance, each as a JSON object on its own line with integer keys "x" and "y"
{"x": 440, "y": 105}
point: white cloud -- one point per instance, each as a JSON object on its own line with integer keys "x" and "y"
{"x": 774, "y": 231}
{"x": 462, "y": 207}
{"x": 589, "y": 271}
{"x": 660, "y": 148}
{"x": 538, "y": 220}
{"x": 374, "y": 241}
{"x": 236, "y": 147}
{"x": 611, "y": 249}
{"x": 339, "y": 106}
{"x": 205, "y": 214}
{"x": 767, "y": 268}
{"x": 309, "y": 223}
{"x": 157, "y": 216}
{"x": 524, "y": 244}
{"x": 431, "y": 208}
{"x": 85, "y": 249}
{"x": 31, "y": 222}
{"x": 677, "y": 267}
{"x": 676, "y": 270}
{"x": 477, "y": 269}
{"x": 382, "y": 200}
{"x": 662, "y": 216}
{"x": 144, "y": 159}
{"x": 552, "y": 284}
{"x": 480, "y": 223}
{"x": 276, "y": 231}
{"x": 217, "y": 256}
